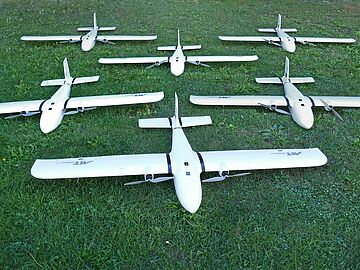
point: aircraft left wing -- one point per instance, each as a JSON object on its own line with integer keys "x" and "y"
{"x": 238, "y": 160}
{"x": 21, "y": 106}
{"x": 324, "y": 40}
{"x": 51, "y": 38}
{"x": 221, "y": 58}
{"x": 350, "y": 102}
{"x": 133, "y": 60}
{"x": 119, "y": 38}
{"x": 109, "y": 100}
{"x": 239, "y": 100}
{"x": 103, "y": 166}
{"x": 250, "y": 38}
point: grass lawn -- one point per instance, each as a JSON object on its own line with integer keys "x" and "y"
{"x": 288, "y": 219}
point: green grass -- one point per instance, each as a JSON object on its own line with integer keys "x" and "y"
{"x": 289, "y": 219}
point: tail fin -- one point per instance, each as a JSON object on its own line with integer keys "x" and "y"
{"x": 175, "y": 121}
{"x": 286, "y": 70}
{"x": 179, "y": 37}
{"x": 279, "y": 22}
{"x": 67, "y": 75}
{"x": 95, "y": 23}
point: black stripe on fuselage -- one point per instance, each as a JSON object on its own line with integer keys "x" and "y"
{"x": 287, "y": 101}
{"x": 170, "y": 121}
{"x": 42, "y": 103}
{"x": 66, "y": 102}
{"x": 312, "y": 101}
{"x": 201, "y": 161}
{"x": 180, "y": 121}
{"x": 168, "y": 160}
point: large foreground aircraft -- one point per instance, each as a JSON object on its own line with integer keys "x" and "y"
{"x": 284, "y": 40}
{"x": 88, "y": 41}
{"x": 300, "y": 106}
{"x": 178, "y": 59}
{"x": 54, "y": 109}
{"x": 182, "y": 164}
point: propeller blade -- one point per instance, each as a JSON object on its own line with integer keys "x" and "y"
{"x": 161, "y": 179}
{"x": 13, "y": 116}
{"x": 135, "y": 183}
{"x": 90, "y": 108}
{"x": 157, "y": 64}
{"x": 214, "y": 179}
{"x": 238, "y": 174}
{"x": 71, "y": 112}
{"x": 281, "y": 111}
{"x": 265, "y": 106}
{"x": 337, "y": 115}
{"x": 198, "y": 63}
{"x": 22, "y": 114}
{"x": 106, "y": 41}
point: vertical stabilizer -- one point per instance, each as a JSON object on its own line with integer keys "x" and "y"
{"x": 287, "y": 70}
{"x": 66, "y": 70}
{"x": 279, "y": 22}
{"x": 176, "y": 107}
{"x": 95, "y": 22}
{"x": 179, "y": 38}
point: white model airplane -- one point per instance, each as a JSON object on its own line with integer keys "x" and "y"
{"x": 300, "y": 106}
{"x": 53, "y": 110}
{"x": 88, "y": 41}
{"x": 284, "y": 40}
{"x": 183, "y": 164}
{"x": 178, "y": 59}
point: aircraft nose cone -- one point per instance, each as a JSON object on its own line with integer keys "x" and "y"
{"x": 290, "y": 47}
{"x": 191, "y": 207}
{"x": 46, "y": 128}
{"x": 307, "y": 124}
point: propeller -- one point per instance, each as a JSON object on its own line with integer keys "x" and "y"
{"x": 197, "y": 63}
{"x": 106, "y": 41}
{"x": 69, "y": 41}
{"x": 22, "y": 114}
{"x": 307, "y": 43}
{"x": 330, "y": 108}
{"x": 80, "y": 110}
{"x": 272, "y": 42}
{"x": 156, "y": 64}
{"x": 151, "y": 180}
{"x": 223, "y": 177}
{"x": 273, "y": 107}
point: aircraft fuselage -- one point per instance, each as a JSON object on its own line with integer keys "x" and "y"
{"x": 287, "y": 42}
{"x": 300, "y": 106}
{"x": 177, "y": 62}
{"x": 89, "y": 40}
{"x": 186, "y": 168}
{"x": 53, "y": 109}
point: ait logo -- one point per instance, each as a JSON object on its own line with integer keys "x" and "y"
{"x": 293, "y": 153}
{"x": 82, "y": 162}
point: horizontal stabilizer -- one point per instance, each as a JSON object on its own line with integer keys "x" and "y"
{"x": 195, "y": 121}
{"x": 56, "y": 82}
{"x": 86, "y": 80}
{"x": 301, "y": 79}
{"x": 155, "y": 123}
{"x": 274, "y": 80}
{"x": 272, "y": 30}
{"x": 184, "y": 48}
{"x": 87, "y": 29}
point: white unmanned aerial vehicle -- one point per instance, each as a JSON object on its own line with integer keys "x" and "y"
{"x": 178, "y": 59}
{"x": 53, "y": 110}
{"x": 182, "y": 163}
{"x": 88, "y": 41}
{"x": 284, "y": 40}
{"x": 298, "y": 104}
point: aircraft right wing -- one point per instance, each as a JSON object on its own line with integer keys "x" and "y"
{"x": 119, "y": 38}
{"x": 110, "y": 100}
{"x": 102, "y": 166}
{"x": 51, "y": 38}
{"x": 201, "y": 59}
{"x": 21, "y": 106}
{"x": 133, "y": 60}
{"x": 249, "y": 38}
{"x": 324, "y": 40}
{"x": 239, "y": 100}
{"x": 217, "y": 161}
{"x": 350, "y": 102}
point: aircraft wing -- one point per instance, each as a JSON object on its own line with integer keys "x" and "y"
{"x": 51, "y": 38}
{"x": 109, "y": 100}
{"x": 102, "y": 166}
{"x": 216, "y": 161}
{"x": 21, "y": 106}
{"x": 132, "y": 60}
{"x": 221, "y": 58}
{"x": 351, "y": 102}
{"x": 115, "y": 37}
{"x": 250, "y": 38}
{"x": 324, "y": 40}
{"x": 239, "y": 100}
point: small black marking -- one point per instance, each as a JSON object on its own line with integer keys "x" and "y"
{"x": 281, "y": 79}
{"x": 168, "y": 163}
{"x": 42, "y": 103}
{"x": 170, "y": 122}
{"x": 66, "y": 102}
{"x": 287, "y": 101}
{"x": 180, "y": 122}
{"x": 73, "y": 80}
{"x": 201, "y": 162}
